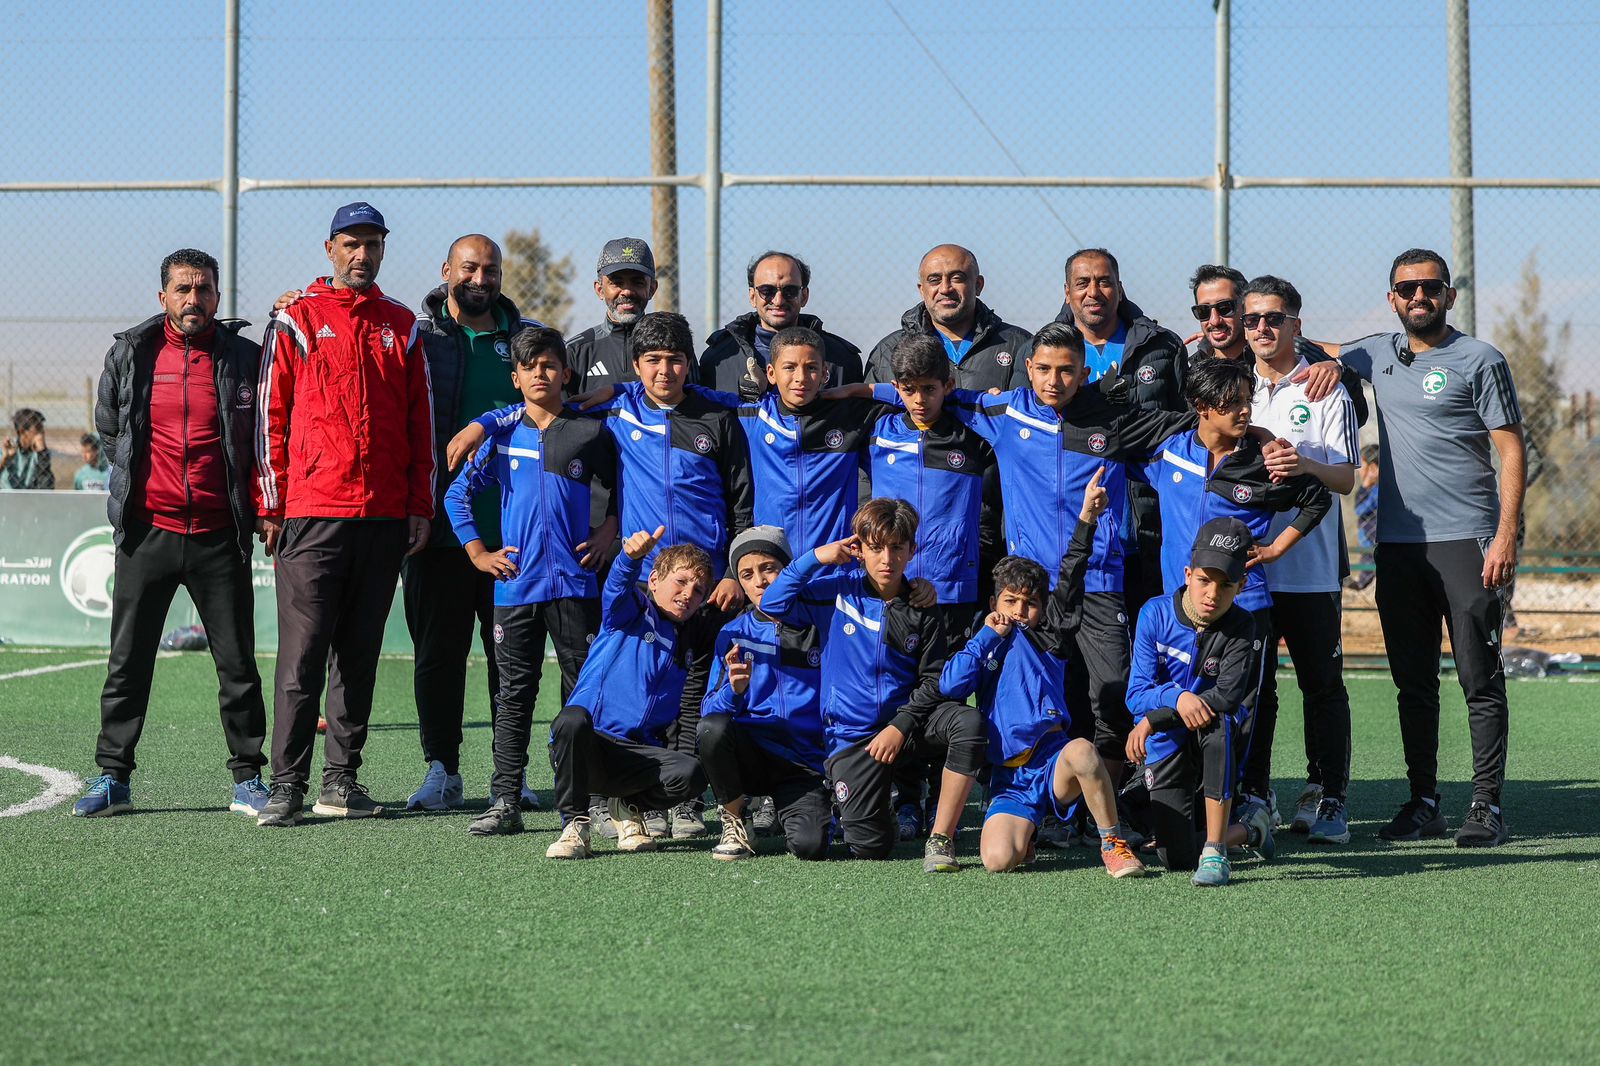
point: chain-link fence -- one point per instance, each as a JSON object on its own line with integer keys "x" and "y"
{"x": 376, "y": 95}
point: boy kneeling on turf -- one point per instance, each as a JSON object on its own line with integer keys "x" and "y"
{"x": 881, "y": 659}
{"x": 610, "y": 738}
{"x": 1017, "y": 665}
{"x": 760, "y": 732}
{"x": 1196, "y": 660}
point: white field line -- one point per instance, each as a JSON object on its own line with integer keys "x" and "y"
{"x": 60, "y": 786}
{"x": 57, "y": 668}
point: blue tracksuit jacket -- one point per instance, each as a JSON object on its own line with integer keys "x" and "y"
{"x": 782, "y": 707}
{"x": 544, "y": 478}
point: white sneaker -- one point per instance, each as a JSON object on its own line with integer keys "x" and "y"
{"x": 573, "y": 842}
{"x": 1305, "y": 809}
{"x": 440, "y": 791}
{"x": 735, "y": 843}
{"x": 629, "y": 820}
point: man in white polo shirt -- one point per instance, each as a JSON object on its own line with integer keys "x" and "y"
{"x": 1318, "y": 438}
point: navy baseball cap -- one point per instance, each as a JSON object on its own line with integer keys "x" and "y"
{"x": 359, "y": 213}
{"x": 1223, "y": 544}
{"x": 626, "y": 253}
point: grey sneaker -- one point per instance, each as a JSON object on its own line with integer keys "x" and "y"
{"x": 1257, "y": 819}
{"x": 286, "y": 805}
{"x": 939, "y": 855}
{"x": 763, "y": 815}
{"x": 655, "y": 824}
{"x": 600, "y": 822}
{"x": 1054, "y": 833}
{"x": 735, "y": 843}
{"x": 1332, "y": 824}
{"x": 688, "y": 823}
{"x": 1305, "y": 809}
{"x": 1484, "y": 827}
{"x": 503, "y": 818}
{"x": 346, "y": 798}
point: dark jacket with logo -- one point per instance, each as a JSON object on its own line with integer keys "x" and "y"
{"x": 445, "y": 345}
{"x": 603, "y": 355}
{"x": 725, "y": 364}
{"x": 122, "y": 415}
{"x": 993, "y": 362}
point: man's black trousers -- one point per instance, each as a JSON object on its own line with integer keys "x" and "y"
{"x": 1309, "y": 623}
{"x": 519, "y": 635}
{"x": 1420, "y": 586}
{"x": 150, "y": 566}
{"x": 336, "y": 582}
{"x": 738, "y": 766}
{"x": 446, "y": 599}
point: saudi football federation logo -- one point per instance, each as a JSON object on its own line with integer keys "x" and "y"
{"x": 1434, "y": 381}
{"x": 1299, "y": 415}
{"x": 88, "y": 567}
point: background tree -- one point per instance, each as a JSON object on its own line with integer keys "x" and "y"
{"x": 535, "y": 280}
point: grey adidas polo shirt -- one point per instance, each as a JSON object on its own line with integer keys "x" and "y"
{"x": 1437, "y": 478}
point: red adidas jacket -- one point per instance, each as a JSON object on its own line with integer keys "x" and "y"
{"x": 344, "y": 411}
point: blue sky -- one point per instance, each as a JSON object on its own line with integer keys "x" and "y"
{"x": 107, "y": 91}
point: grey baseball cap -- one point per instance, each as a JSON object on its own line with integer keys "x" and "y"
{"x": 626, "y": 253}
{"x": 767, "y": 540}
{"x": 1222, "y": 544}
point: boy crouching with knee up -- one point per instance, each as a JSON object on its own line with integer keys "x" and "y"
{"x": 1196, "y": 660}
{"x": 760, "y": 729}
{"x": 610, "y": 738}
{"x": 881, "y": 659}
{"x": 1016, "y": 663}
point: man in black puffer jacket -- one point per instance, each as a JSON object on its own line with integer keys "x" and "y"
{"x": 735, "y": 358}
{"x": 176, "y": 414}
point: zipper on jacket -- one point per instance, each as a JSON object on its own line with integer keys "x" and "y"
{"x": 544, "y": 514}
{"x": 666, "y": 475}
{"x": 800, "y": 475}
{"x": 188, "y": 489}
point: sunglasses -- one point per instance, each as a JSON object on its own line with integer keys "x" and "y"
{"x": 1274, "y": 319}
{"x": 1223, "y": 308}
{"x": 1433, "y": 288}
{"x": 767, "y": 292}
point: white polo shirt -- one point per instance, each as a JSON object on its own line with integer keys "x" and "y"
{"x": 1327, "y": 432}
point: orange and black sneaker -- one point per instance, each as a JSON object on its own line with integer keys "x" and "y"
{"x": 1119, "y": 859}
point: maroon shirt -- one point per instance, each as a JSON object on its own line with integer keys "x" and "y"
{"x": 181, "y": 483}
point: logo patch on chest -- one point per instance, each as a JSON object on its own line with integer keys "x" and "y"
{"x": 1147, "y": 374}
{"x": 1434, "y": 381}
{"x": 702, "y": 443}
{"x": 814, "y": 658}
{"x": 912, "y": 641}
{"x": 499, "y": 633}
{"x": 503, "y": 350}
{"x": 1097, "y": 442}
{"x": 1243, "y": 493}
{"x": 386, "y": 335}
{"x": 247, "y": 396}
{"x": 1211, "y": 666}
{"x": 575, "y": 468}
{"x": 1299, "y": 415}
{"x": 957, "y": 460}
{"x": 1002, "y": 358}
{"x": 834, "y": 439}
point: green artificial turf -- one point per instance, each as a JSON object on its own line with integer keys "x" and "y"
{"x": 183, "y": 933}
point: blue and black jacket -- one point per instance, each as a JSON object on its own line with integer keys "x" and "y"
{"x": 782, "y": 707}
{"x": 1221, "y": 664}
{"x": 1020, "y": 678}
{"x": 545, "y": 477}
{"x": 685, "y": 467}
{"x": 880, "y": 658}
{"x": 1192, "y": 494}
{"x": 632, "y": 682}
{"x": 939, "y": 471}
{"x": 1046, "y": 460}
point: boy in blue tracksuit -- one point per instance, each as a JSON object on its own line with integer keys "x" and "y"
{"x": 761, "y": 726}
{"x": 1196, "y": 660}
{"x": 1016, "y": 665}
{"x": 881, "y": 659}
{"x": 1217, "y": 470}
{"x": 543, "y": 466}
{"x": 611, "y": 735}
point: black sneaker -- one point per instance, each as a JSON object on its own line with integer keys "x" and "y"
{"x": 1417, "y": 819}
{"x": 687, "y": 823}
{"x": 1483, "y": 827}
{"x": 764, "y": 816}
{"x": 346, "y": 798}
{"x": 286, "y": 805}
{"x": 503, "y": 818}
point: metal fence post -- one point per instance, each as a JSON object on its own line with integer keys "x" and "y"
{"x": 712, "y": 178}
{"x": 1224, "y": 176}
{"x": 230, "y": 162}
{"x": 1464, "y": 253}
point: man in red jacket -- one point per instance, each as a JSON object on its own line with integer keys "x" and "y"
{"x": 344, "y": 456}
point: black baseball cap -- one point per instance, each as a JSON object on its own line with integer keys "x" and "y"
{"x": 1222, "y": 544}
{"x": 626, "y": 253}
{"x": 359, "y": 213}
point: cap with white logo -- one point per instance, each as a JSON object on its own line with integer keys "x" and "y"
{"x": 1223, "y": 544}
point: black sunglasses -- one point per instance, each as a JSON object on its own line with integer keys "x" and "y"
{"x": 767, "y": 292}
{"x": 1433, "y": 287}
{"x": 1274, "y": 319}
{"x": 1223, "y": 308}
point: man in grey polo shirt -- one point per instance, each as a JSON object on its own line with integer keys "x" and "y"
{"x": 1447, "y": 534}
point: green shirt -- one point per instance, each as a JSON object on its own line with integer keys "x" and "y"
{"x": 485, "y": 387}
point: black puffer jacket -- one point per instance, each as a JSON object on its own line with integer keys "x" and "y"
{"x": 122, "y": 415}
{"x": 725, "y": 364}
{"x": 445, "y": 346}
{"x": 994, "y": 361}
{"x": 1155, "y": 364}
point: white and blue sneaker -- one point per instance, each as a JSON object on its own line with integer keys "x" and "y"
{"x": 249, "y": 797}
{"x": 1213, "y": 870}
{"x": 440, "y": 791}
{"x": 1258, "y": 822}
{"x": 1333, "y": 823}
{"x": 105, "y": 796}
{"x": 527, "y": 799}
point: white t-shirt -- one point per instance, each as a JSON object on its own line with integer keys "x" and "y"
{"x": 1327, "y": 432}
